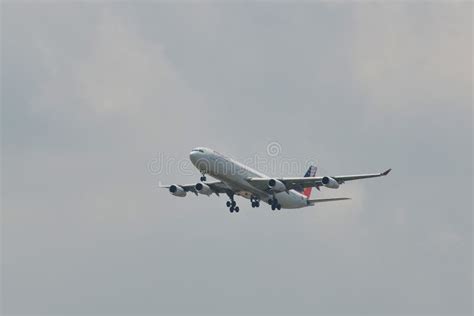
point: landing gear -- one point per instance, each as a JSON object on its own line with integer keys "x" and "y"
{"x": 231, "y": 204}
{"x": 233, "y": 208}
{"x": 254, "y": 201}
{"x": 276, "y": 207}
{"x": 203, "y": 176}
{"x": 274, "y": 204}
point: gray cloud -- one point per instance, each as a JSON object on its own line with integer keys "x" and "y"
{"x": 90, "y": 94}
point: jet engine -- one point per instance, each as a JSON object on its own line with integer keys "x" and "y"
{"x": 329, "y": 182}
{"x": 276, "y": 185}
{"x": 176, "y": 190}
{"x": 203, "y": 188}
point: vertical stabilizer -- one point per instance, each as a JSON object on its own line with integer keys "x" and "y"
{"x": 310, "y": 173}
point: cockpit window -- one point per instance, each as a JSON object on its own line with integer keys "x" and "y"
{"x": 199, "y": 150}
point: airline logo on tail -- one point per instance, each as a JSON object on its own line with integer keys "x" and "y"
{"x": 310, "y": 173}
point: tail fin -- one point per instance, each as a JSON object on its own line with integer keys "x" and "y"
{"x": 310, "y": 173}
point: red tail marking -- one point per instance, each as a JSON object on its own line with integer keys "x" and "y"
{"x": 310, "y": 173}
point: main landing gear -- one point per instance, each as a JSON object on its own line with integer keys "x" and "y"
{"x": 274, "y": 203}
{"x": 255, "y": 201}
{"x": 232, "y": 205}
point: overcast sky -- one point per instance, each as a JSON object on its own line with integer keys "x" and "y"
{"x": 94, "y": 94}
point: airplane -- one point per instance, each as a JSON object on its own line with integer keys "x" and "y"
{"x": 237, "y": 179}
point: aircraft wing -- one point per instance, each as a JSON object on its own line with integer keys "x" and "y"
{"x": 216, "y": 186}
{"x": 306, "y": 182}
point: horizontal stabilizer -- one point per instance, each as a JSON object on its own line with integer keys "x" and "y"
{"x": 327, "y": 200}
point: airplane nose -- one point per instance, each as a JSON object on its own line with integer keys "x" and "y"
{"x": 193, "y": 156}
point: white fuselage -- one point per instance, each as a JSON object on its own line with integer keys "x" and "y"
{"x": 235, "y": 175}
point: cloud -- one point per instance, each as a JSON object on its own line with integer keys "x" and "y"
{"x": 118, "y": 86}
{"x": 94, "y": 89}
{"x": 126, "y": 73}
{"x": 119, "y": 72}
{"x": 399, "y": 62}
